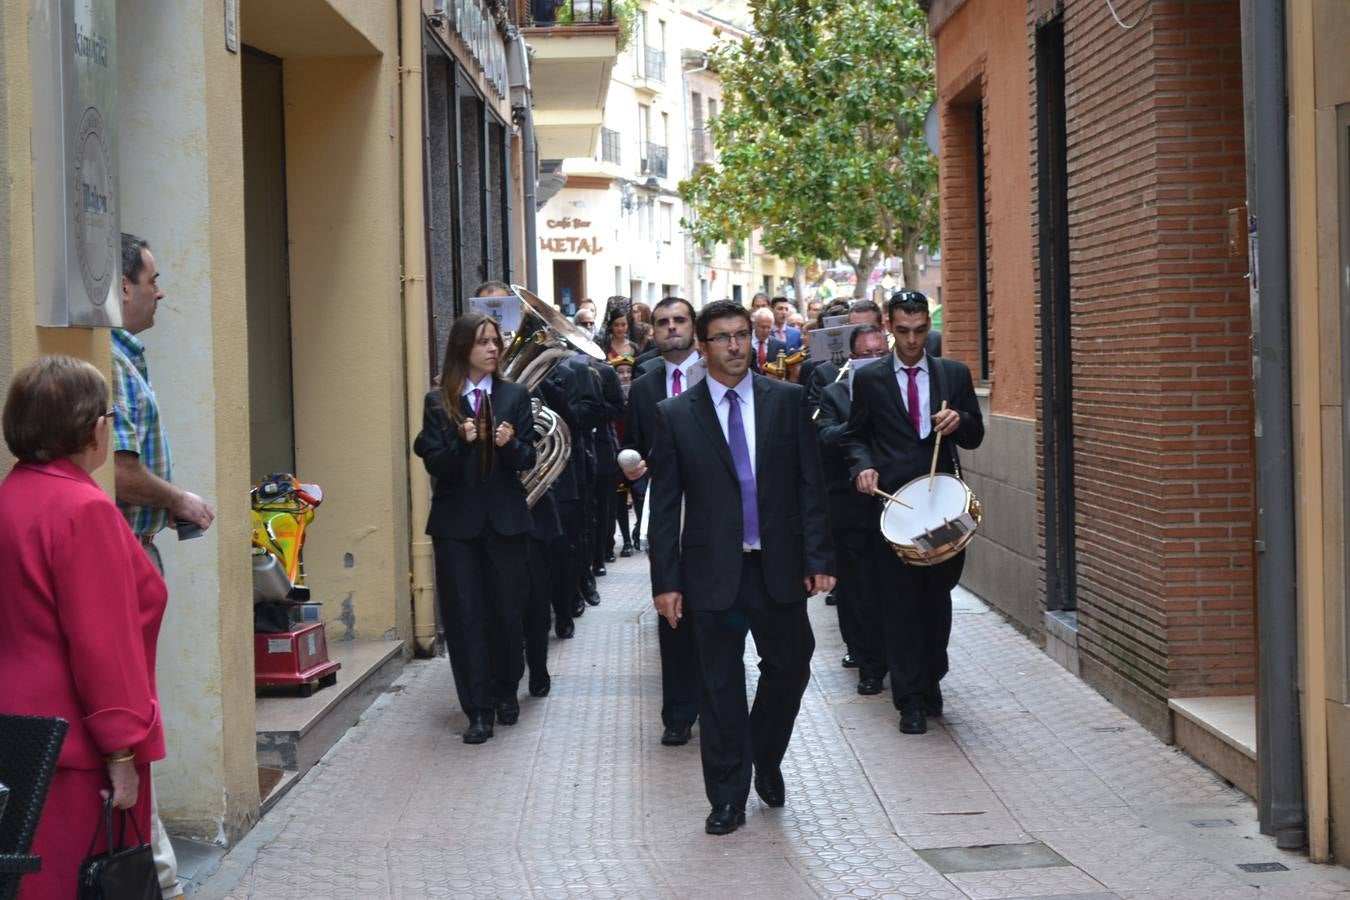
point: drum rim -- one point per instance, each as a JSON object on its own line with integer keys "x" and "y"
{"x": 886, "y": 504}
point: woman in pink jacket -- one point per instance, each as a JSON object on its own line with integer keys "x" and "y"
{"x": 80, "y": 607}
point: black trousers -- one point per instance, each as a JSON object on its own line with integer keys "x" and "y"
{"x": 680, "y": 677}
{"x": 538, "y": 605}
{"x": 567, "y": 559}
{"x": 731, "y": 736}
{"x": 604, "y": 519}
{"x": 917, "y": 614}
{"x": 481, "y": 584}
{"x": 621, "y": 510}
{"x": 585, "y": 542}
{"x": 858, "y": 599}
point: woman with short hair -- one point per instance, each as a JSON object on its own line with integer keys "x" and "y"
{"x": 80, "y": 609}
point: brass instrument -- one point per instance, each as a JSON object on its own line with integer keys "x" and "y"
{"x": 787, "y": 367}
{"x": 542, "y": 342}
{"x": 843, "y": 373}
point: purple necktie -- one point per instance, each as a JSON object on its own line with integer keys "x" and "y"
{"x": 912, "y": 399}
{"x": 477, "y": 400}
{"x": 740, "y": 455}
{"x": 675, "y": 384}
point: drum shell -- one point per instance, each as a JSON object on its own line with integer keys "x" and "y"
{"x": 948, "y": 498}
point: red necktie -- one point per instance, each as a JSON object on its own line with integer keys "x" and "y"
{"x": 763, "y": 353}
{"x": 912, "y": 398}
{"x": 675, "y": 386}
{"x": 477, "y": 400}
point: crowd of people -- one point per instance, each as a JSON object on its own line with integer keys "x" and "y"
{"x": 759, "y": 492}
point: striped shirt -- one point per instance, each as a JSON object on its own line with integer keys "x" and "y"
{"x": 137, "y": 428}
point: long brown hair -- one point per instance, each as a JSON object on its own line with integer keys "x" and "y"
{"x": 455, "y": 368}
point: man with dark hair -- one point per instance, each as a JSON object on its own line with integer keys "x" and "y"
{"x": 649, "y": 359}
{"x": 860, "y": 312}
{"x": 791, "y": 337}
{"x": 898, "y": 409}
{"x": 677, "y": 370}
{"x": 142, "y": 461}
{"x": 854, "y": 520}
{"x": 739, "y": 540}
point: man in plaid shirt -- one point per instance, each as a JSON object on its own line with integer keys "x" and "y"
{"x": 142, "y": 463}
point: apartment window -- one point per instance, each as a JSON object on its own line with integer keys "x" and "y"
{"x": 712, "y": 108}
{"x": 665, "y": 128}
{"x": 702, "y": 292}
{"x": 667, "y": 221}
{"x": 610, "y": 146}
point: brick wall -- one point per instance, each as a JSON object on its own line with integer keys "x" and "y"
{"x": 1162, "y": 409}
{"x": 957, "y": 196}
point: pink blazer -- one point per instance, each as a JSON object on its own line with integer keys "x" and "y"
{"x": 80, "y": 608}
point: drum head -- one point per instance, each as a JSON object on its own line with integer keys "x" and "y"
{"x": 948, "y": 499}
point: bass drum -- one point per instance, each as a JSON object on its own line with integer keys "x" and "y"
{"x": 941, "y": 522}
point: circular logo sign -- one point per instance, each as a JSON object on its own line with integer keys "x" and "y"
{"x": 96, "y": 238}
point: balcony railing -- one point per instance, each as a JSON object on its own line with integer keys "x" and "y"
{"x": 546, "y": 13}
{"x": 655, "y": 158}
{"x": 610, "y": 146}
{"x": 654, "y": 64}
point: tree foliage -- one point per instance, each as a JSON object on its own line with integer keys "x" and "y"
{"x": 820, "y": 139}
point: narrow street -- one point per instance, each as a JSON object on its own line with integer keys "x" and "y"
{"x": 581, "y": 800}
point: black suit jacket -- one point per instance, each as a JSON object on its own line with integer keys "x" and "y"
{"x": 822, "y": 376}
{"x": 849, "y": 510}
{"x": 775, "y": 345}
{"x": 590, "y": 413}
{"x": 880, "y": 435}
{"x": 640, "y": 425}
{"x": 553, "y": 391}
{"x": 650, "y": 364}
{"x": 606, "y": 439}
{"x": 464, "y": 503}
{"x": 693, "y": 474}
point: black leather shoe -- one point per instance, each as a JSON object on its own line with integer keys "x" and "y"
{"x": 601, "y": 571}
{"x": 479, "y": 730}
{"x": 677, "y": 735}
{"x": 932, "y": 703}
{"x": 593, "y": 598}
{"x": 508, "y": 711}
{"x": 769, "y": 786}
{"x": 541, "y": 687}
{"x": 848, "y": 662}
{"x": 564, "y": 630}
{"x": 637, "y": 542}
{"x": 627, "y": 551}
{"x": 578, "y": 606}
{"x": 913, "y": 721}
{"x": 609, "y": 557}
{"x": 724, "y": 819}
{"x": 869, "y": 686}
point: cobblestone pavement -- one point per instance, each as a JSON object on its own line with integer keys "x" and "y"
{"x": 581, "y": 800}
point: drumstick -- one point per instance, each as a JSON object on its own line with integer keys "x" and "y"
{"x": 891, "y": 497}
{"x": 937, "y": 445}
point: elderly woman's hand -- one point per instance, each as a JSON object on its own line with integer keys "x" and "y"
{"x": 126, "y": 784}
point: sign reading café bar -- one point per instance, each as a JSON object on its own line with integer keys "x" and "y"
{"x": 570, "y": 243}
{"x": 76, "y": 215}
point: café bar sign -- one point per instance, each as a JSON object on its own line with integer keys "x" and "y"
{"x": 473, "y": 21}
{"x": 76, "y": 209}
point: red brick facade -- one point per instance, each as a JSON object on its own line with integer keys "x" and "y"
{"x": 1162, "y": 405}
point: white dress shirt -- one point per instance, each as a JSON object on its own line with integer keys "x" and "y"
{"x": 469, "y": 387}
{"x": 745, "y": 390}
{"x": 683, "y": 368}
{"x": 902, "y": 379}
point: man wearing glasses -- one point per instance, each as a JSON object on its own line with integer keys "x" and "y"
{"x": 854, "y": 518}
{"x": 142, "y": 464}
{"x": 739, "y": 538}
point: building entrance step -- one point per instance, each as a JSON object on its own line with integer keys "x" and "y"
{"x": 1219, "y": 732}
{"x": 294, "y": 732}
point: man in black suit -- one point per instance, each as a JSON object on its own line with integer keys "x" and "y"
{"x": 591, "y": 412}
{"x": 860, "y": 312}
{"x": 897, "y": 409}
{"x": 764, "y": 347}
{"x": 673, "y": 331}
{"x": 854, "y": 519}
{"x": 740, "y": 538}
{"x": 606, "y": 468}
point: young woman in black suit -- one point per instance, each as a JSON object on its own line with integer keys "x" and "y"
{"x": 477, "y": 438}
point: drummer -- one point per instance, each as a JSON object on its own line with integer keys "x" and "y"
{"x": 889, "y": 444}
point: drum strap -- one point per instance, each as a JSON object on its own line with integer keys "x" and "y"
{"x": 938, "y": 367}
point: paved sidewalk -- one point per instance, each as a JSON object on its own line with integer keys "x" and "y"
{"x": 580, "y": 799}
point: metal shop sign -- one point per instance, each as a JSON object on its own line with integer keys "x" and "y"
{"x": 472, "y": 20}
{"x": 76, "y": 215}
{"x": 568, "y": 243}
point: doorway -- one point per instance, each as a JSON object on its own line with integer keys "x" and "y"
{"x": 569, "y": 283}
{"x": 267, "y": 272}
{"x": 1061, "y": 589}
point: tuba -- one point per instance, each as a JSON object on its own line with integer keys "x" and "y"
{"x": 543, "y": 340}
{"x": 788, "y": 366}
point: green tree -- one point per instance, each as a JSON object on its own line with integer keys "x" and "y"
{"x": 820, "y": 140}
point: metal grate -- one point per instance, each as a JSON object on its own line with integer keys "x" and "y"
{"x": 654, "y": 64}
{"x": 655, "y": 160}
{"x": 610, "y": 146}
{"x": 1263, "y": 867}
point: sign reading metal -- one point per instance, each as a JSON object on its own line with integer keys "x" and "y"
{"x": 76, "y": 223}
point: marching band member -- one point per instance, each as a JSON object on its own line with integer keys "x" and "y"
{"x": 674, "y": 335}
{"x": 897, "y": 408}
{"x": 854, "y": 519}
{"x": 736, "y": 458}
{"x": 476, "y": 439}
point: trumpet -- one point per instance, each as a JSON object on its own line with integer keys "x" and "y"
{"x": 786, "y": 368}
{"x": 843, "y": 373}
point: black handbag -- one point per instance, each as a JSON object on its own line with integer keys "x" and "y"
{"x": 121, "y": 873}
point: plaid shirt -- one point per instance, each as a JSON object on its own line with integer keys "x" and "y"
{"x": 137, "y": 428}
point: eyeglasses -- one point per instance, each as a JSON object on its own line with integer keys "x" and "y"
{"x": 873, "y": 354}
{"x": 724, "y": 340}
